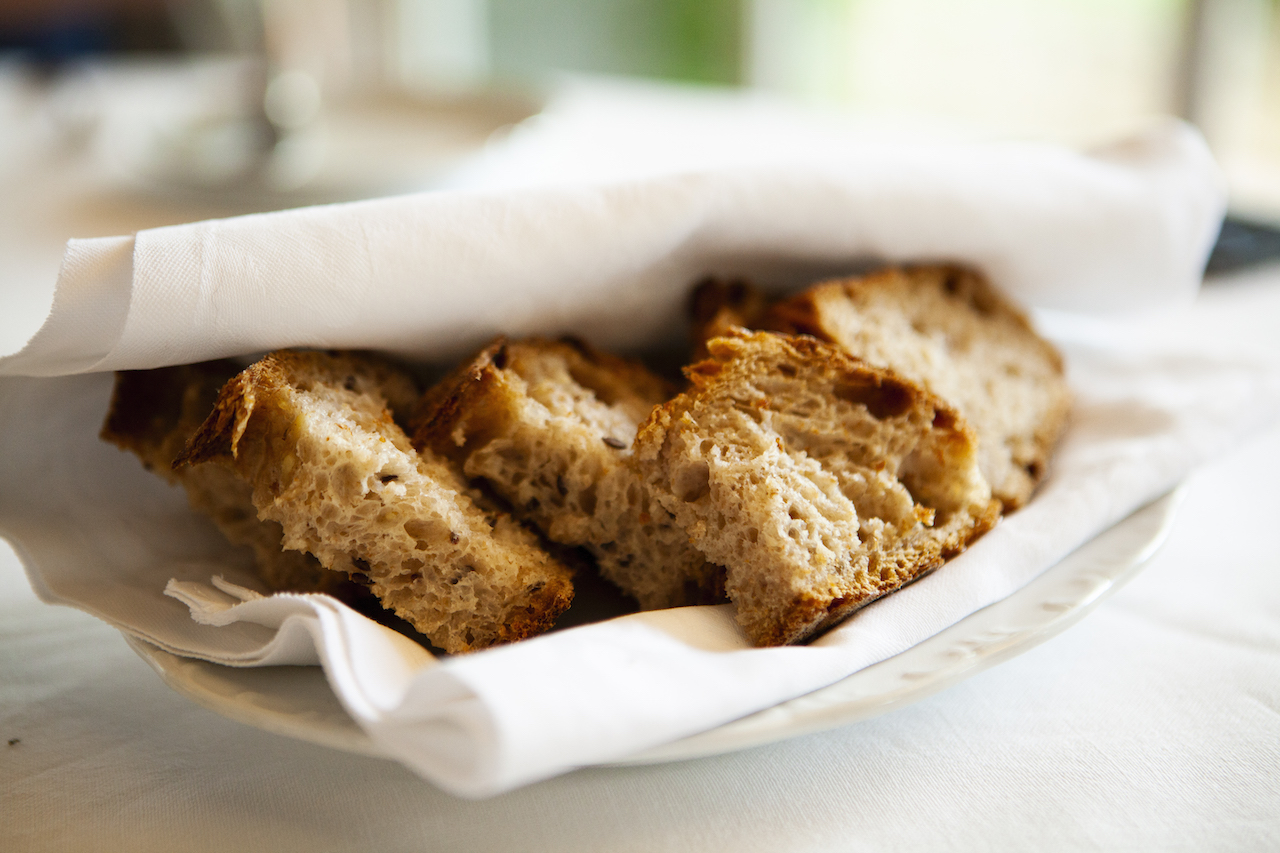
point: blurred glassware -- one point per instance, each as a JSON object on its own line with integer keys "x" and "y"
{"x": 287, "y": 102}
{"x": 199, "y": 128}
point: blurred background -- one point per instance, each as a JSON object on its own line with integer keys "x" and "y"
{"x": 145, "y": 112}
{"x": 429, "y": 76}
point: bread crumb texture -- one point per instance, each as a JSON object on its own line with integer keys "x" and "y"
{"x": 549, "y": 426}
{"x": 153, "y": 413}
{"x": 818, "y": 481}
{"x": 947, "y": 329}
{"x": 312, "y": 435}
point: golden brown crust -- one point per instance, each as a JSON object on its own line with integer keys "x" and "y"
{"x": 821, "y": 482}
{"x": 802, "y": 314}
{"x": 538, "y": 614}
{"x": 467, "y": 389}
{"x": 470, "y": 391}
{"x": 717, "y": 306}
{"x": 312, "y": 434}
{"x": 469, "y": 409}
{"x": 219, "y": 435}
{"x": 153, "y": 413}
{"x": 617, "y": 372}
{"x": 978, "y": 340}
{"x": 548, "y": 425}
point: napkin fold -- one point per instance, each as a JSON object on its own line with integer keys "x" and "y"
{"x": 433, "y": 275}
{"x": 429, "y": 275}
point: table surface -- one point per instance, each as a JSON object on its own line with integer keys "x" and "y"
{"x": 1152, "y": 724}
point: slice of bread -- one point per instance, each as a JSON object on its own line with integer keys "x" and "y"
{"x": 949, "y": 330}
{"x": 311, "y": 433}
{"x": 820, "y": 482}
{"x": 153, "y": 413}
{"x": 549, "y": 425}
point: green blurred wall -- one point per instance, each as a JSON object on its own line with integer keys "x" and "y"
{"x": 692, "y": 40}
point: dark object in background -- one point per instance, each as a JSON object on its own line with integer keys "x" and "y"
{"x": 1243, "y": 244}
{"x": 50, "y": 33}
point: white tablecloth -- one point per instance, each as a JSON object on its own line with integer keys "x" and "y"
{"x": 1153, "y": 724}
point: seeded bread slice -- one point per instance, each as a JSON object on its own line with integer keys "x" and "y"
{"x": 153, "y": 413}
{"x": 949, "y": 330}
{"x": 820, "y": 482}
{"x": 549, "y": 425}
{"x": 311, "y": 433}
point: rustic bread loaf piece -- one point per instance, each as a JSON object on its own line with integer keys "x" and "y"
{"x": 153, "y": 413}
{"x": 820, "y": 482}
{"x": 548, "y": 425}
{"x": 312, "y": 435}
{"x": 949, "y": 330}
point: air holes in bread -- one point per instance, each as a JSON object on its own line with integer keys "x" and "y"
{"x": 692, "y": 482}
{"x": 883, "y": 399}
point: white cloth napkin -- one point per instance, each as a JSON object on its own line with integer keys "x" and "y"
{"x": 429, "y": 275}
{"x": 433, "y": 275}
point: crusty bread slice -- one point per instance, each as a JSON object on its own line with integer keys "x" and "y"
{"x": 153, "y": 413}
{"x": 312, "y": 435}
{"x": 549, "y": 426}
{"x": 820, "y": 482}
{"x": 949, "y": 330}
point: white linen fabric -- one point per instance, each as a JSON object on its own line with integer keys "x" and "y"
{"x": 432, "y": 275}
{"x": 429, "y": 275}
